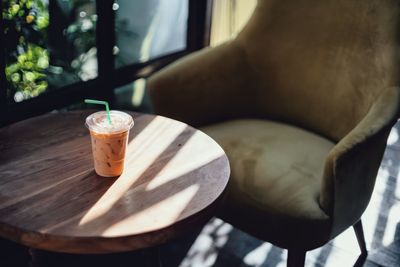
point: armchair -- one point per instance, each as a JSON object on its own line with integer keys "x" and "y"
{"x": 302, "y": 101}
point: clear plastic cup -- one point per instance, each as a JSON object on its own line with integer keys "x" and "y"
{"x": 109, "y": 142}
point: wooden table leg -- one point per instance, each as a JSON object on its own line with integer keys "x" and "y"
{"x": 142, "y": 258}
{"x": 13, "y": 254}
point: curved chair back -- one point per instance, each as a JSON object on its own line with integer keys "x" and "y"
{"x": 321, "y": 64}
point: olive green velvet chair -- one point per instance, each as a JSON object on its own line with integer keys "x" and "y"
{"x": 302, "y": 101}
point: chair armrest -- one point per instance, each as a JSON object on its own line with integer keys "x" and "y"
{"x": 352, "y": 165}
{"x": 204, "y": 87}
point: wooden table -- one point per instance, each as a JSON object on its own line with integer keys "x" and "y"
{"x": 51, "y": 198}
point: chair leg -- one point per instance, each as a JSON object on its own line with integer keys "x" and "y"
{"x": 296, "y": 258}
{"x": 358, "y": 229}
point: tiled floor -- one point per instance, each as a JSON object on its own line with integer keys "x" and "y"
{"x": 219, "y": 244}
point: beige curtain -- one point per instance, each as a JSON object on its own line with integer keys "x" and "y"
{"x": 228, "y": 18}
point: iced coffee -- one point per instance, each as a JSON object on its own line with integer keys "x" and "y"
{"x": 109, "y": 141}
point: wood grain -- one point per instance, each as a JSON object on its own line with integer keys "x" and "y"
{"x": 51, "y": 198}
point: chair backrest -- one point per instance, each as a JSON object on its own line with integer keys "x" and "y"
{"x": 321, "y": 64}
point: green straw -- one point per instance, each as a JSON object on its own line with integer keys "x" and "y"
{"x": 98, "y": 102}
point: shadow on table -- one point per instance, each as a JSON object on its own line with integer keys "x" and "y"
{"x": 91, "y": 188}
{"x": 94, "y": 188}
{"x": 153, "y": 196}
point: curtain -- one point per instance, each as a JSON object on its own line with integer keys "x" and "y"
{"x": 228, "y": 18}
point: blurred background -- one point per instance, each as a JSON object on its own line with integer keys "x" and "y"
{"x": 75, "y": 48}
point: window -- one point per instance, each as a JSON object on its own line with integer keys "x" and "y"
{"x": 45, "y": 52}
{"x": 149, "y": 29}
{"x": 57, "y": 52}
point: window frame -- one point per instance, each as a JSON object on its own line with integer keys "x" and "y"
{"x": 109, "y": 77}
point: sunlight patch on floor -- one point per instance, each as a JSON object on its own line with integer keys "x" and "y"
{"x": 204, "y": 250}
{"x": 257, "y": 256}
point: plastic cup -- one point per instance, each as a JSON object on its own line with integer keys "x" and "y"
{"x": 109, "y": 141}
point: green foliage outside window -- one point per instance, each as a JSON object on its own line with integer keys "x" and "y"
{"x": 25, "y": 24}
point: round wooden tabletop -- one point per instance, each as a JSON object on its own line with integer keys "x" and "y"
{"x": 51, "y": 198}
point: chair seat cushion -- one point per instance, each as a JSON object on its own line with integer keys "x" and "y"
{"x": 276, "y": 175}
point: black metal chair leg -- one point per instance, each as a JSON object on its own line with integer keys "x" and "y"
{"x": 358, "y": 229}
{"x": 296, "y": 258}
